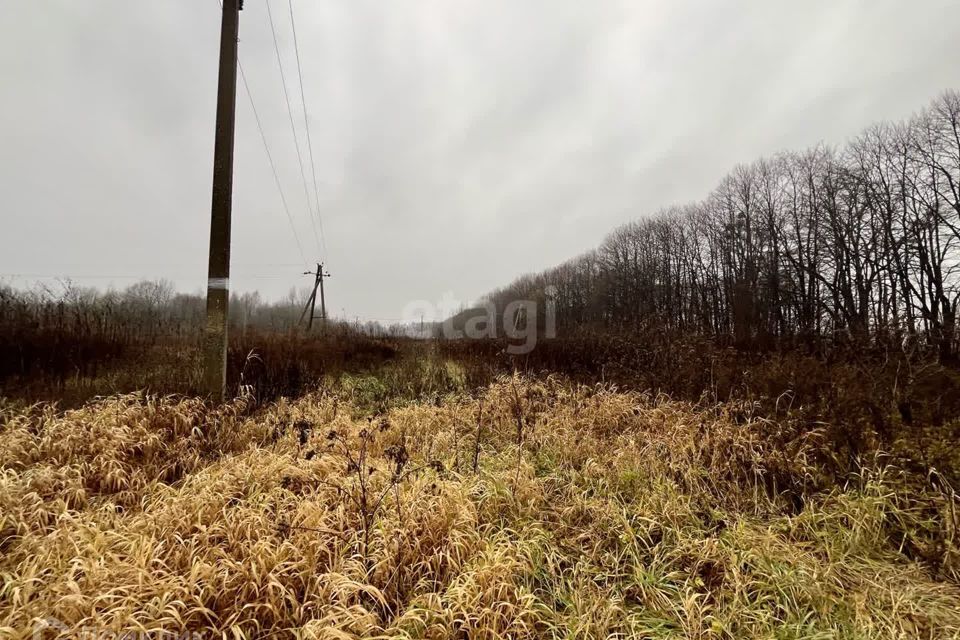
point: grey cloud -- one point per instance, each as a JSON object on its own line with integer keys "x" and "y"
{"x": 458, "y": 143}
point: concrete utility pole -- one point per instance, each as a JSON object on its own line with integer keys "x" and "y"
{"x": 319, "y": 275}
{"x": 218, "y": 273}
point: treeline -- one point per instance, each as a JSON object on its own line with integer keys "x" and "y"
{"x": 145, "y": 311}
{"x": 857, "y": 244}
{"x": 85, "y": 341}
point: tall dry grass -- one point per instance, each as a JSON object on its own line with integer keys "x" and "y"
{"x": 531, "y": 509}
{"x": 862, "y": 398}
{"x": 264, "y": 364}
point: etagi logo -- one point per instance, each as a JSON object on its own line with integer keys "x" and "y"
{"x": 49, "y": 628}
{"x": 519, "y": 319}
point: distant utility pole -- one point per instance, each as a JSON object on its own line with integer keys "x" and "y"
{"x": 218, "y": 272}
{"x": 319, "y": 275}
{"x": 323, "y": 299}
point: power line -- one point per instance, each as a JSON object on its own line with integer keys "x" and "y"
{"x": 266, "y": 147}
{"x": 273, "y": 166}
{"x": 293, "y": 127}
{"x": 306, "y": 123}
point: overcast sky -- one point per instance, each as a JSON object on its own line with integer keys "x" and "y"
{"x": 458, "y": 143}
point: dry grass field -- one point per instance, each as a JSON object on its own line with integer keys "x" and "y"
{"x": 532, "y": 508}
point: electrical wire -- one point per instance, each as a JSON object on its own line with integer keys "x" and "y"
{"x": 273, "y": 166}
{"x": 293, "y": 127}
{"x": 266, "y": 147}
{"x": 306, "y": 124}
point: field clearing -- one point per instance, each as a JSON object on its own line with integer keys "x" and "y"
{"x": 533, "y": 508}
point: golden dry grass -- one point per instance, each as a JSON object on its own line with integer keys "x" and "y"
{"x": 592, "y": 513}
